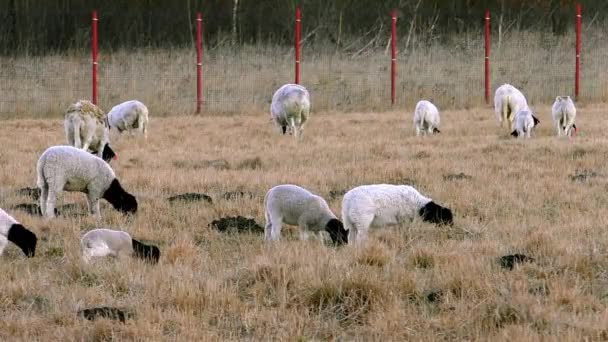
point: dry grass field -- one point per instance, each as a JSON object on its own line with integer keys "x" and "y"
{"x": 414, "y": 282}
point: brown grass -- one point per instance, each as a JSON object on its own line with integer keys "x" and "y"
{"x": 415, "y": 282}
{"x": 242, "y": 80}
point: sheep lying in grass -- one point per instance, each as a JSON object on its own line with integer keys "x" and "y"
{"x": 508, "y": 100}
{"x": 129, "y": 116}
{"x": 294, "y": 205}
{"x": 86, "y": 127}
{"x": 68, "y": 168}
{"x": 564, "y": 113}
{"x": 426, "y": 118}
{"x": 523, "y": 124}
{"x": 106, "y": 242}
{"x": 13, "y": 231}
{"x": 382, "y": 205}
{"x": 290, "y": 108}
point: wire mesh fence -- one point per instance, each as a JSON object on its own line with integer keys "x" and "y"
{"x": 242, "y": 79}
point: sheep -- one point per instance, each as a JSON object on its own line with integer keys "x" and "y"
{"x": 564, "y": 113}
{"x": 426, "y": 118}
{"x": 86, "y": 127}
{"x": 290, "y": 108}
{"x": 128, "y": 116}
{"x": 380, "y": 205}
{"x": 508, "y": 100}
{"x": 523, "y": 124}
{"x": 71, "y": 169}
{"x": 13, "y": 231}
{"x": 294, "y": 205}
{"x": 107, "y": 242}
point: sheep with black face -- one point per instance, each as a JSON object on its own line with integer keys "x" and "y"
{"x": 13, "y": 231}
{"x": 107, "y": 242}
{"x": 294, "y": 205}
{"x": 67, "y": 168}
{"x": 380, "y": 205}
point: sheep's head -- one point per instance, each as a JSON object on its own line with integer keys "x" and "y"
{"x": 147, "y": 252}
{"x": 434, "y": 213}
{"x": 108, "y": 154}
{"x": 514, "y": 133}
{"x": 338, "y": 234}
{"x": 26, "y": 240}
{"x": 436, "y": 130}
{"x": 536, "y": 121}
{"x": 120, "y": 199}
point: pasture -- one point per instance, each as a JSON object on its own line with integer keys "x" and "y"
{"x": 545, "y": 198}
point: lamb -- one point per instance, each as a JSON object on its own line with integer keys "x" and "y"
{"x": 13, "y": 231}
{"x": 86, "y": 127}
{"x": 524, "y": 122}
{"x": 128, "y": 116}
{"x": 106, "y": 242}
{"x": 380, "y": 205}
{"x": 293, "y": 205}
{"x": 508, "y": 100}
{"x": 564, "y": 113}
{"x": 71, "y": 169}
{"x": 426, "y": 118}
{"x": 290, "y": 108}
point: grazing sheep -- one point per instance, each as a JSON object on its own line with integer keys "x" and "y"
{"x": 129, "y": 116}
{"x": 564, "y": 113}
{"x": 508, "y": 100}
{"x": 13, "y": 231}
{"x": 106, "y": 242}
{"x": 382, "y": 205}
{"x": 86, "y": 127}
{"x": 290, "y": 108}
{"x": 68, "y": 168}
{"x": 426, "y": 118}
{"x": 523, "y": 124}
{"x": 293, "y": 205}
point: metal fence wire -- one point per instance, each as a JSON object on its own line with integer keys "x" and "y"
{"x": 354, "y": 76}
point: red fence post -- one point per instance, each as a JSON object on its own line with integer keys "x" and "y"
{"x": 94, "y": 55}
{"x": 577, "y": 72}
{"x": 393, "y": 54}
{"x": 297, "y": 45}
{"x": 199, "y": 64}
{"x": 487, "y": 57}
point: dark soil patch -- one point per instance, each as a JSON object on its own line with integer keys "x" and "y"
{"x": 434, "y": 296}
{"x": 457, "y": 176}
{"x": 253, "y": 164}
{"x": 34, "y": 193}
{"x": 237, "y": 224}
{"x": 583, "y": 175}
{"x": 509, "y": 261}
{"x": 190, "y": 197}
{"x": 235, "y": 195}
{"x": 106, "y": 312}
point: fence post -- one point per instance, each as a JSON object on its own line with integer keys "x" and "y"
{"x": 487, "y": 57}
{"x": 297, "y": 46}
{"x": 199, "y": 64}
{"x": 393, "y": 54}
{"x": 94, "y": 55}
{"x": 577, "y": 72}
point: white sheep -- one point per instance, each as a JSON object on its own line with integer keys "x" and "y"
{"x": 523, "y": 124}
{"x": 426, "y": 118}
{"x": 564, "y": 113}
{"x": 380, "y": 205}
{"x": 294, "y": 205}
{"x": 86, "y": 127}
{"x": 68, "y": 168}
{"x": 508, "y": 100}
{"x": 106, "y": 242}
{"x": 13, "y": 231}
{"x": 290, "y": 108}
{"x": 129, "y": 116}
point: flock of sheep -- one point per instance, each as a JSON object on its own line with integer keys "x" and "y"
{"x": 84, "y": 167}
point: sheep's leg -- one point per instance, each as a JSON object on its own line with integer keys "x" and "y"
{"x": 50, "y": 202}
{"x": 418, "y": 130}
{"x": 44, "y": 192}
{"x": 93, "y": 205}
{"x": 558, "y": 128}
{"x": 361, "y": 228}
{"x": 76, "y": 135}
{"x": 3, "y": 243}
{"x": 272, "y": 231}
{"x": 87, "y": 141}
{"x": 144, "y": 129}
